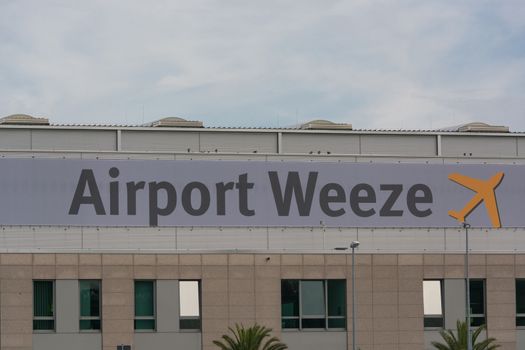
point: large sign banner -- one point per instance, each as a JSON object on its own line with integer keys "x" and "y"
{"x": 258, "y": 193}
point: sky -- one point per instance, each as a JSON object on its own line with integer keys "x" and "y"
{"x": 375, "y": 64}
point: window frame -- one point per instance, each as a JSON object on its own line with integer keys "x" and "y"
{"x": 326, "y": 317}
{"x": 199, "y": 291}
{"x": 484, "y": 314}
{"x": 154, "y": 316}
{"x": 45, "y": 318}
{"x": 430, "y": 316}
{"x": 90, "y": 318}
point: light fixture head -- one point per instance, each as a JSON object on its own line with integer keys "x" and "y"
{"x": 354, "y": 244}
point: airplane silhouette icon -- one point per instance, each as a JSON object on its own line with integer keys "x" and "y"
{"x": 484, "y": 193}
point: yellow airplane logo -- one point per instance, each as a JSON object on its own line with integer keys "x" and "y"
{"x": 484, "y": 193}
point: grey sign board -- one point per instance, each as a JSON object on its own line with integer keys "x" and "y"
{"x": 258, "y": 193}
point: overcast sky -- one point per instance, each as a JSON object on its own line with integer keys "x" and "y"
{"x": 375, "y": 64}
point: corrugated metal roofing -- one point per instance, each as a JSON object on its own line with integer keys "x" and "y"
{"x": 148, "y": 126}
{"x": 95, "y": 125}
{"x": 311, "y": 126}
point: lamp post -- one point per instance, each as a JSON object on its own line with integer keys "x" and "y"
{"x": 467, "y": 287}
{"x": 353, "y": 245}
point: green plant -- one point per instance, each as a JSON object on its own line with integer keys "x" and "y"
{"x": 252, "y": 338}
{"x": 459, "y": 342}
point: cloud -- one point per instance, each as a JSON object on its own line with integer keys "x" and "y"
{"x": 376, "y": 64}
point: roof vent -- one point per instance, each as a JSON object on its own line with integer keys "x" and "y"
{"x": 476, "y": 127}
{"x": 321, "y": 124}
{"x": 482, "y": 127}
{"x": 175, "y": 122}
{"x": 23, "y": 119}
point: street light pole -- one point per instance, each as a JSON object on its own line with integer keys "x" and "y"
{"x": 353, "y": 245}
{"x": 467, "y": 287}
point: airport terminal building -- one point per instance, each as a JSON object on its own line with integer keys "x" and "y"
{"x": 161, "y": 236}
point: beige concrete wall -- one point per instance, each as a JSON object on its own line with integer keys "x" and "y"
{"x": 245, "y": 288}
{"x": 16, "y": 301}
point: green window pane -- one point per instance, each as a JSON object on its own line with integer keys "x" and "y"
{"x": 89, "y": 325}
{"x": 477, "y": 321}
{"x": 477, "y": 297}
{"x": 290, "y": 323}
{"x": 290, "y": 298}
{"x": 520, "y": 296}
{"x": 336, "y": 323}
{"x": 145, "y": 324}
{"x": 190, "y": 323}
{"x": 43, "y": 325}
{"x": 89, "y": 298}
{"x": 43, "y": 299}
{"x": 313, "y": 322}
{"x": 312, "y": 298}
{"x": 520, "y": 321}
{"x": 336, "y": 297}
{"x": 433, "y": 322}
{"x": 144, "y": 299}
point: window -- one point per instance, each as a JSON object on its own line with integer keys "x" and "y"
{"x": 477, "y": 302}
{"x": 313, "y": 304}
{"x": 189, "y": 305}
{"x": 145, "y": 305}
{"x": 290, "y": 303}
{"x": 43, "y": 305}
{"x": 433, "y": 303}
{"x": 520, "y": 302}
{"x": 336, "y": 303}
{"x": 89, "y": 305}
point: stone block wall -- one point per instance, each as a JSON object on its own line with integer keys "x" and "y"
{"x": 245, "y": 288}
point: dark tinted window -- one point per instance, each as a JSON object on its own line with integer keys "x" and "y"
{"x": 477, "y": 297}
{"x": 144, "y": 305}
{"x": 313, "y": 304}
{"x": 43, "y": 305}
{"x": 520, "y": 302}
{"x": 290, "y": 297}
{"x": 89, "y": 305}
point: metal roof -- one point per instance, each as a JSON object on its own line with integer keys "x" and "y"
{"x": 170, "y": 123}
{"x": 255, "y": 128}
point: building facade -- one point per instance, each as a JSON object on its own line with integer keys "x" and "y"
{"x": 144, "y": 279}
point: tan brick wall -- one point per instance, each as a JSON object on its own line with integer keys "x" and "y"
{"x": 410, "y": 303}
{"x": 364, "y": 309}
{"x": 16, "y": 301}
{"x": 117, "y": 300}
{"x": 245, "y": 288}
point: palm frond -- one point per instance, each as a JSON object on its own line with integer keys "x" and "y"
{"x": 457, "y": 340}
{"x": 256, "y": 337}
